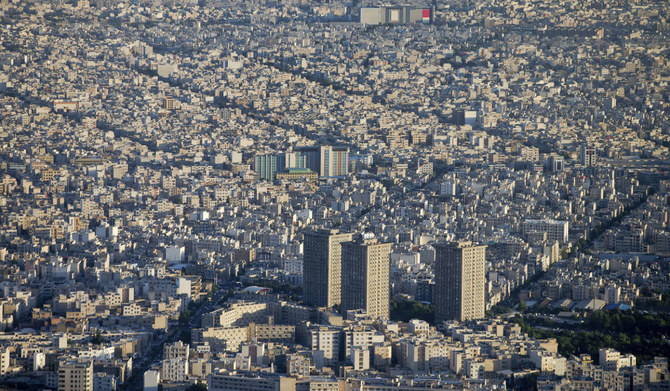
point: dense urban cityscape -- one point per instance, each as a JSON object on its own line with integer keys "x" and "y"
{"x": 220, "y": 195}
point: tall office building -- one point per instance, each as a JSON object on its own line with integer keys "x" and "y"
{"x": 334, "y": 161}
{"x": 75, "y": 375}
{"x": 587, "y": 155}
{"x": 326, "y": 160}
{"x": 307, "y": 157}
{"x": 267, "y": 166}
{"x": 295, "y": 159}
{"x": 555, "y": 163}
{"x": 366, "y": 267}
{"x": 322, "y": 267}
{"x": 459, "y": 281}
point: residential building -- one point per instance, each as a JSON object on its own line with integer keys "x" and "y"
{"x": 365, "y": 276}
{"x": 459, "y": 281}
{"x": 322, "y": 267}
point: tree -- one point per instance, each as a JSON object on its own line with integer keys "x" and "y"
{"x": 184, "y": 317}
{"x": 522, "y": 307}
{"x": 185, "y": 335}
{"x": 641, "y": 334}
{"x": 97, "y": 339}
{"x": 404, "y": 311}
{"x": 197, "y": 387}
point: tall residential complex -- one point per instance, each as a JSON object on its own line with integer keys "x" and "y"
{"x": 366, "y": 266}
{"x": 322, "y": 267}
{"x": 459, "y": 281}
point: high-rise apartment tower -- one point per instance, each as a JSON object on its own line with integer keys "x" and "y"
{"x": 322, "y": 267}
{"x": 459, "y": 281}
{"x": 366, "y": 267}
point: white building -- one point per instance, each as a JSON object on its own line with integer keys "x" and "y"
{"x": 183, "y": 286}
{"x": 360, "y": 358}
{"x": 327, "y": 341}
{"x": 175, "y": 254}
{"x": 151, "y": 380}
{"x": 175, "y": 370}
{"x": 39, "y": 360}
{"x": 175, "y": 362}
{"x": 418, "y": 326}
{"x": 556, "y": 230}
{"x": 612, "y": 360}
{"x": 474, "y": 369}
{"x": 104, "y": 382}
{"x": 548, "y": 362}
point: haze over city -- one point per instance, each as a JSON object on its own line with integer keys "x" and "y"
{"x": 226, "y": 195}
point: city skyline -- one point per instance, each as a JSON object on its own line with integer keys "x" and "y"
{"x": 334, "y": 196}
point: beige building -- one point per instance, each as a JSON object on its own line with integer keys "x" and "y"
{"x": 459, "y": 281}
{"x": 249, "y": 382}
{"x": 322, "y": 267}
{"x": 175, "y": 361}
{"x": 365, "y": 276}
{"x": 5, "y": 361}
{"x": 75, "y": 376}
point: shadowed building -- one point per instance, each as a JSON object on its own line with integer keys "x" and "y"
{"x": 459, "y": 281}
{"x": 322, "y": 267}
{"x": 366, "y": 267}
